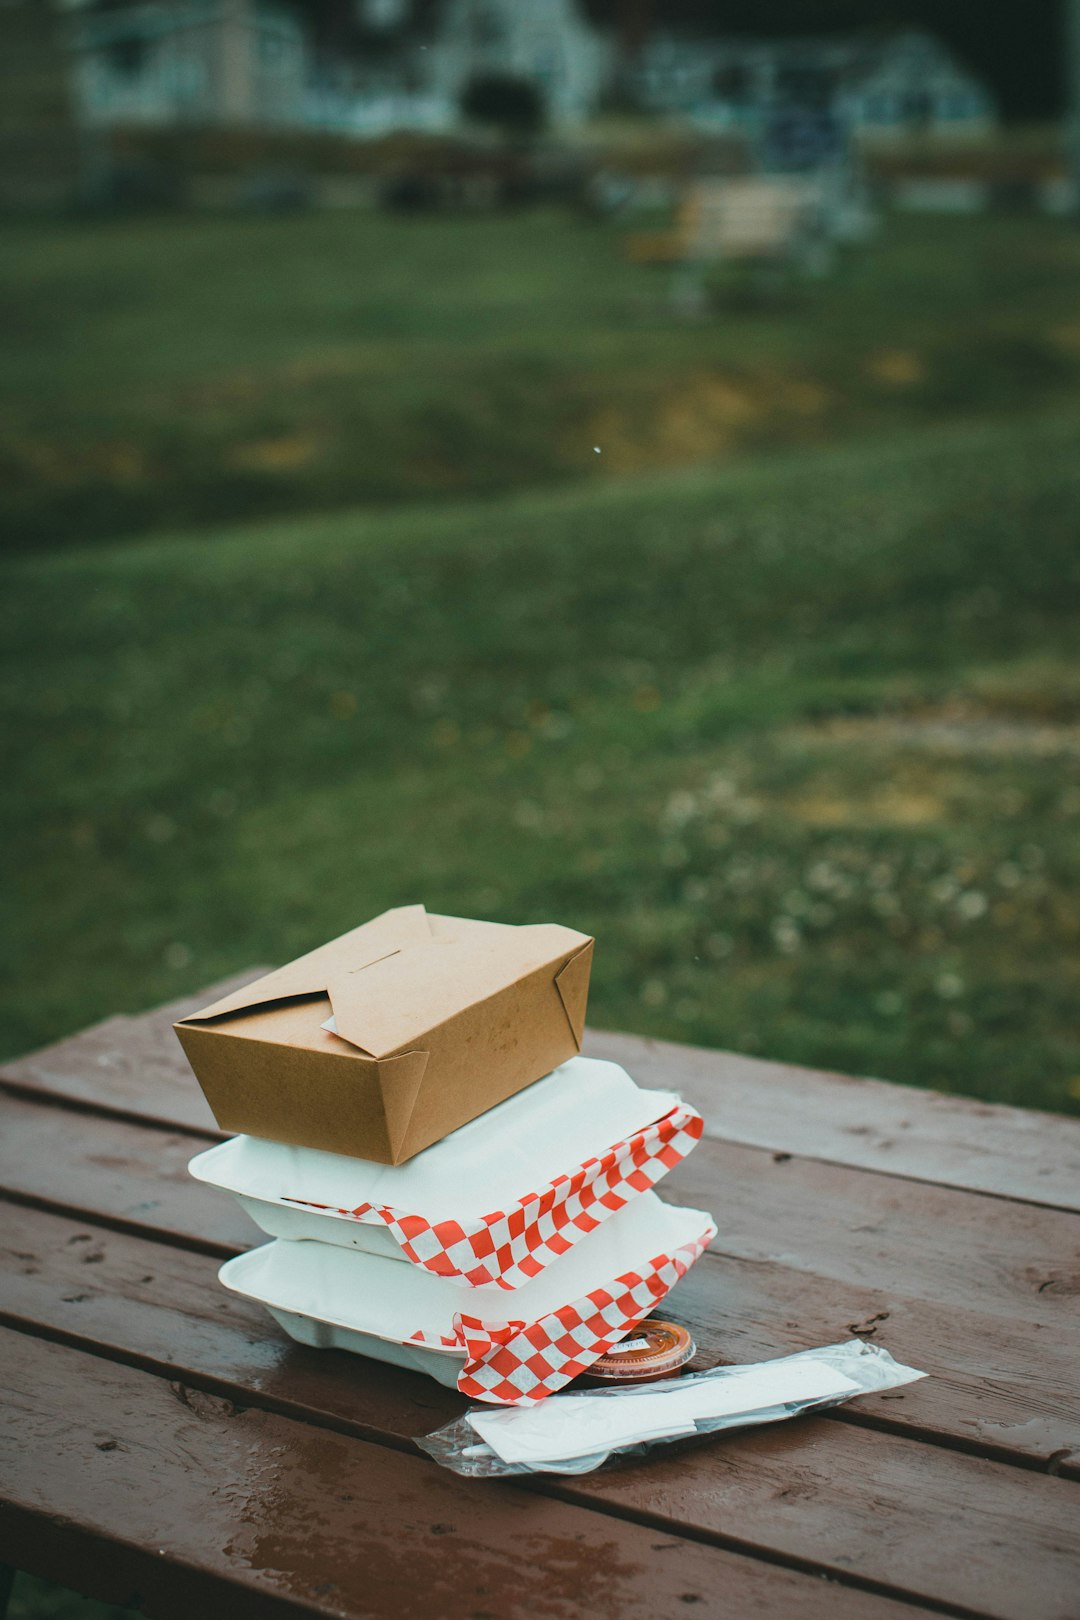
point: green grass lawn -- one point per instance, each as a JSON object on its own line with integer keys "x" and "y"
{"x": 798, "y": 739}
{"x": 796, "y": 735}
{"x": 192, "y": 370}
{"x": 42, "y": 1600}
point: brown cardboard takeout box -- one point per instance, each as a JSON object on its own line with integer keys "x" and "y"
{"x": 437, "y": 1019}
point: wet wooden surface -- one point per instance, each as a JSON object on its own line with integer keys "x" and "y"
{"x": 163, "y": 1441}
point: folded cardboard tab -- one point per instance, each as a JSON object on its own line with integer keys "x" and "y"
{"x": 435, "y": 1020}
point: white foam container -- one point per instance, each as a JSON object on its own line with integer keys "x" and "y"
{"x": 575, "y": 1113}
{"x": 327, "y": 1297}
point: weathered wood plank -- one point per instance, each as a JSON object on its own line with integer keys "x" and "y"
{"x": 134, "y": 1066}
{"x": 130, "y": 1066}
{"x": 134, "y": 1485}
{"x": 893, "y": 1514}
{"x": 1004, "y": 1387}
{"x": 162, "y": 1308}
{"x": 870, "y": 1124}
{"x": 955, "y": 1248}
{"x": 119, "y": 1171}
{"x": 936, "y": 1522}
{"x": 980, "y": 1290}
{"x": 872, "y": 1230}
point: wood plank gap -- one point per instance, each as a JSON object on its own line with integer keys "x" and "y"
{"x": 764, "y": 1555}
{"x": 161, "y": 1301}
{"x": 1064, "y": 1464}
{"x": 134, "y": 1066}
{"x": 100, "y": 1108}
{"x": 909, "y": 1132}
{"x": 244, "y": 1399}
{"x": 174, "y": 1127}
{"x": 128, "y": 1116}
{"x": 279, "y": 1492}
{"x": 899, "y": 1174}
{"x": 949, "y": 1442}
{"x": 985, "y": 1450}
{"x": 761, "y": 1300}
{"x": 242, "y": 1396}
{"x": 118, "y": 1223}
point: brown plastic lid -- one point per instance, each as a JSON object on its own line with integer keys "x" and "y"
{"x": 653, "y": 1349}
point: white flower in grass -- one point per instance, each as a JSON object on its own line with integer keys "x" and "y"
{"x": 680, "y": 808}
{"x": 889, "y": 1003}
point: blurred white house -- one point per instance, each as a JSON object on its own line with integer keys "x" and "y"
{"x": 406, "y": 63}
{"x": 254, "y": 61}
{"x": 916, "y": 86}
{"x": 411, "y": 61}
{"x": 191, "y": 62}
{"x": 898, "y": 85}
{"x": 547, "y": 42}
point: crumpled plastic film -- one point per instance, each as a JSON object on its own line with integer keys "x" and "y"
{"x": 574, "y": 1433}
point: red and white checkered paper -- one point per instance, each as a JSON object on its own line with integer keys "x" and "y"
{"x": 521, "y": 1363}
{"x": 509, "y": 1247}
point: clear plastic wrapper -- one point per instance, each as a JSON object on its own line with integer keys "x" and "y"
{"x": 573, "y": 1433}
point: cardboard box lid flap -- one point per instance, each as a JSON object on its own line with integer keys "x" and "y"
{"x": 310, "y": 975}
{"x": 400, "y": 997}
{"x": 572, "y": 983}
{"x": 400, "y": 1079}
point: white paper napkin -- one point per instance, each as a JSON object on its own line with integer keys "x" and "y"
{"x": 570, "y": 1426}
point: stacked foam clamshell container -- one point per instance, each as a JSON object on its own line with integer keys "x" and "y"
{"x": 448, "y": 1184}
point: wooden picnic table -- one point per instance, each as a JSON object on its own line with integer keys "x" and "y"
{"x": 756, "y": 218}
{"x": 165, "y": 1445}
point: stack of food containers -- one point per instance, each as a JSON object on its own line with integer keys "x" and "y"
{"x": 506, "y": 1256}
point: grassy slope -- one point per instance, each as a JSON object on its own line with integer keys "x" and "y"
{"x": 799, "y": 741}
{"x": 175, "y": 371}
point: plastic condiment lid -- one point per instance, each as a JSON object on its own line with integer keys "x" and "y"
{"x": 654, "y": 1349}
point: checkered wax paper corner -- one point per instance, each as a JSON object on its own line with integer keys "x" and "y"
{"x": 519, "y": 1363}
{"x": 509, "y": 1247}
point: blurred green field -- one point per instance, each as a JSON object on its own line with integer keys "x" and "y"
{"x": 42, "y": 1600}
{"x": 796, "y": 734}
{"x": 193, "y": 370}
{"x": 798, "y": 739}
